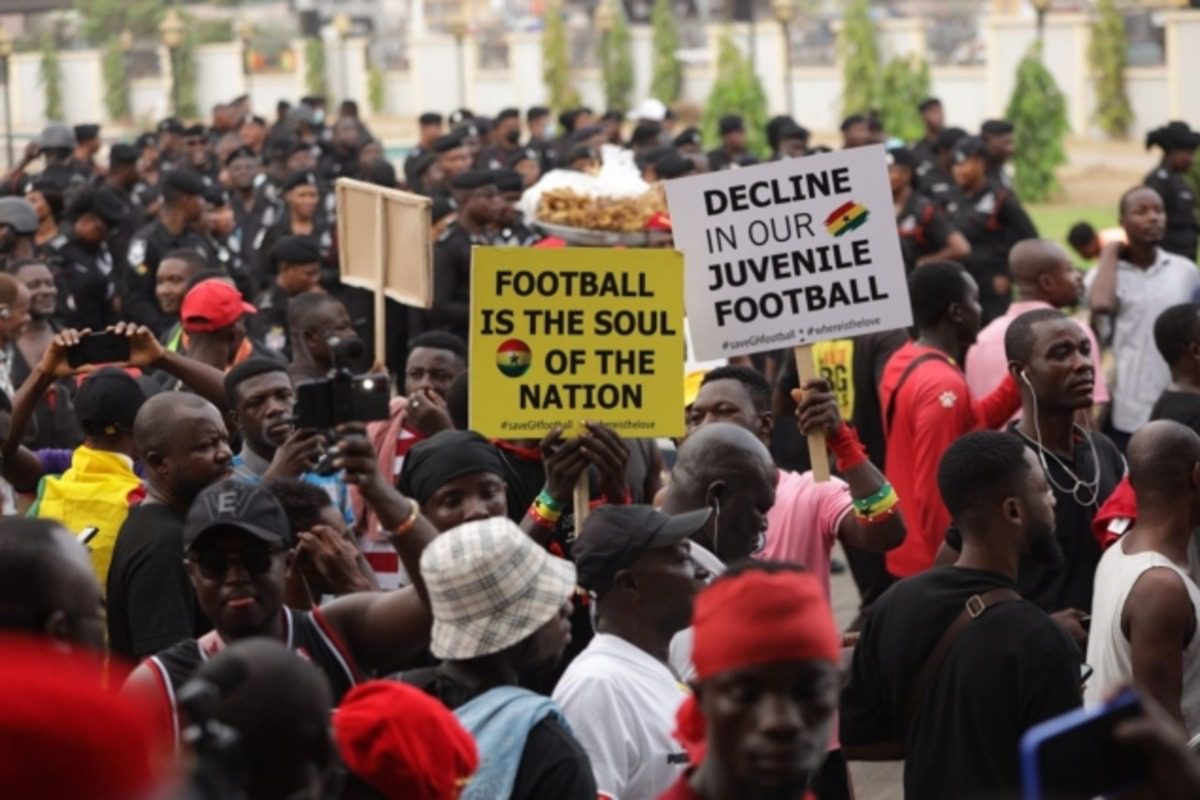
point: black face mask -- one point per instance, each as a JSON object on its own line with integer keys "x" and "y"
{"x": 513, "y": 136}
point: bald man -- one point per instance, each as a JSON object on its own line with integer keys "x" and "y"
{"x": 1045, "y": 278}
{"x": 184, "y": 447}
{"x": 1146, "y": 607}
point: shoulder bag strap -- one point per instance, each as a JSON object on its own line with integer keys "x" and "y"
{"x": 912, "y": 366}
{"x": 973, "y": 609}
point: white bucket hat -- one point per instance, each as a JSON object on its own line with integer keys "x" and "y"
{"x": 490, "y": 586}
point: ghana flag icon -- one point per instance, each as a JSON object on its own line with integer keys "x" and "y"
{"x": 846, "y": 217}
{"x": 513, "y": 358}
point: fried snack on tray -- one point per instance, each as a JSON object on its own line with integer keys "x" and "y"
{"x": 625, "y": 214}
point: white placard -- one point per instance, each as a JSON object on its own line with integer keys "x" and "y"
{"x": 789, "y": 253}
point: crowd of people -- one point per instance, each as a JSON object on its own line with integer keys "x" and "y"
{"x": 201, "y": 597}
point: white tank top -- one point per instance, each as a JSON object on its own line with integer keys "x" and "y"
{"x": 1108, "y": 648}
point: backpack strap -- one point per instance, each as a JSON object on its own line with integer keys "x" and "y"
{"x": 912, "y": 366}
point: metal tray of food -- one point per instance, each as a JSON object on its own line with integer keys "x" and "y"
{"x": 586, "y": 237}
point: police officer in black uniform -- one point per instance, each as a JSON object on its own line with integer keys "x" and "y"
{"x": 86, "y": 273}
{"x": 925, "y": 149}
{"x": 176, "y": 228}
{"x": 993, "y": 221}
{"x": 121, "y": 179}
{"x": 479, "y": 208}
{"x": 1178, "y": 143}
{"x": 429, "y": 127}
{"x": 298, "y": 270}
{"x": 732, "y": 130}
{"x": 451, "y": 159}
{"x": 997, "y": 135}
{"x": 925, "y": 232}
{"x": 224, "y": 238}
{"x": 511, "y": 228}
{"x": 938, "y": 181}
{"x": 302, "y": 215}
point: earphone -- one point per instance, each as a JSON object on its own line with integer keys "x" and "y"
{"x": 5, "y": 313}
{"x": 1025, "y": 377}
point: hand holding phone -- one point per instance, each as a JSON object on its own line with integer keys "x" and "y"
{"x": 99, "y": 348}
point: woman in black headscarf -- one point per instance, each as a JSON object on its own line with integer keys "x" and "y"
{"x": 1178, "y": 143}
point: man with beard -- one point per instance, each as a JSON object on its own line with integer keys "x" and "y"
{"x": 953, "y": 666}
{"x": 1050, "y": 356}
{"x": 184, "y": 447}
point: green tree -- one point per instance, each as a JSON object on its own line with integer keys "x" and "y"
{"x": 902, "y": 87}
{"x": 1107, "y": 56}
{"x": 737, "y": 90}
{"x": 116, "y": 88}
{"x": 667, "y": 81}
{"x": 1038, "y": 113}
{"x": 314, "y": 67}
{"x": 185, "y": 75}
{"x": 102, "y": 17}
{"x": 556, "y": 59}
{"x": 859, "y": 51}
{"x": 376, "y": 88}
{"x": 616, "y": 60}
{"x": 50, "y": 76}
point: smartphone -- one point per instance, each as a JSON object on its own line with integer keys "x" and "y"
{"x": 327, "y": 403}
{"x": 1074, "y": 757}
{"x": 99, "y": 348}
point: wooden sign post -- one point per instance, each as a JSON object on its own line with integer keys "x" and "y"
{"x": 582, "y": 499}
{"x": 806, "y": 368}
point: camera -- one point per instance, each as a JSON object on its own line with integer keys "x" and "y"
{"x": 344, "y": 396}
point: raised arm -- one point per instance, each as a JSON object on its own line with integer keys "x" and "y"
{"x": 146, "y": 352}
{"x": 1102, "y": 298}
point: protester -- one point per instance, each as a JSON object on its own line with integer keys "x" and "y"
{"x": 1146, "y": 606}
{"x": 1134, "y": 283}
{"x": 424, "y": 754}
{"x": 171, "y": 284}
{"x": 619, "y": 695}
{"x": 927, "y": 405}
{"x": 1177, "y": 336}
{"x": 46, "y": 197}
{"x": 1178, "y": 143}
{"x": 319, "y": 330}
{"x": 765, "y": 692}
{"x": 953, "y": 666}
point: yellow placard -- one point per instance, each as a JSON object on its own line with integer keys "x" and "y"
{"x": 564, "y": 336}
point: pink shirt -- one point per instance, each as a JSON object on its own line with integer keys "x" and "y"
{"x": 802, "y": 525}
{"x": 987, "y": 364}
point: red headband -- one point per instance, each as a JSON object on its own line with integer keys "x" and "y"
{"x": 761, "y": 618}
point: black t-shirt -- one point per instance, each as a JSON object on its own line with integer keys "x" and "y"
{"x": 1182, "y": 407}
{"x": 1008, "y": 670}
{"x": 923, "y": 229}
{"x": 151, "y": 603}
{"x": 553, "y": 764}
{"x": 1070, "y": 585}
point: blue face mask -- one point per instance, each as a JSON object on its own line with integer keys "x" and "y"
{"x": 551, "y": 130}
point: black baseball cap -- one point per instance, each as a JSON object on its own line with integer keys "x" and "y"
{"x": 901, "y": 157}
{"x": 238, "y": 504}
{"x": 614, "y": 537}
{"x": 730, "y": 123}
{"x": 969, "y": 147}
{"x": 108, "y": 401}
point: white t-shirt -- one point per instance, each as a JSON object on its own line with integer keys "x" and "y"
{"x": 620, "y": 702}
{"x": 1143, "y": 294}
{"x": 681, "y": 643}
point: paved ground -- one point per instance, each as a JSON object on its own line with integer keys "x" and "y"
{"x": 872, "y": 781}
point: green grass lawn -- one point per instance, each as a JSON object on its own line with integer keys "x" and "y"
{"x": 1055, "y": 219}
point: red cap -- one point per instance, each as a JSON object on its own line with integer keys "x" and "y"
{"x": 211, "y": 305}
{"x": 65, "y": 733}
{"x": 404, "y": 743}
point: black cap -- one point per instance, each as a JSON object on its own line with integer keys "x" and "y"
{"x": 107, "y": 205}
{"x": 442, "y": 207}
{"x": 171, "y": 125}
{"x": 147, "y": 139}
{"x": 216, "y": 196}
{"x": 1176, "y": 135}
{"x": 430, "y": 118}
{"x": 901, "y": 157}
{"x": 295, "y": 250}
{"x": 241, "y": 152}
{"x": 422, "y": 163}
{"x": 996, "y": 127}
{"x": 184, "y": 180}
{"x": 87, "y": 132}
{"x": 614, "y": 537}
{"x": 108, "y": 402}
{"x": 508, "y": 180}
{"x": 927, "y": 103}
{"x": 969, "y": 147}
{"x": 447, "y": 142}
{"x": 237, "y": 504}
{"x": 473, "y": 179}
{"x": 645, "y": 133}
{"x": 299, "y": 178}
{"x": 790, "y": 130}
{"x": 194, "y": 131}
{"x": 691, "y": 136}
{"x": 730, "y": 123}
{"x": 673, "y": 165}
{"x": 123, "y": 154}
{"x": 948, "y": 138}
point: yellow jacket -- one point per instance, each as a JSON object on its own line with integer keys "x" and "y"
{"x": 96, "y": 492}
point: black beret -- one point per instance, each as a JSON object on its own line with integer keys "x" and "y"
{"x": 645, "y": 133}
{"x": 216, "y": 196}
{"x": 969, "y": 147}
{"x": 790, "y": 130}
{"x": 104, "y": 203}
{"x": 86, "y": 132}
{"x": 147, "y": 139}
{"x": 523, "y": 154}
{"x": 299, "y": 178}
{"x": 422, "y": 163}
{"x": 430, "y": 118}
{"x": 170, "y": 125}
{"x": 296, "y": 250}
{"x": 241, "y": 152}
{"x": 446, "y": 143}
{"x": 123, "y": 154}
{"x": 508, "y": 180}
{"x": 673, "y": 165}
{"x": 691, "y": 136}
{"x": 996, "y": 127}
{"x": 184, "y": 180}
{"x": 473, "y": 179}
{"x": 193, "y": 131}
{"x": 730, "y": 123}
{"x": 442, "y": 206}
{"x": 901, "y": 157}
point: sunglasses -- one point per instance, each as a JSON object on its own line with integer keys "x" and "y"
{"x": 214, "y": 564}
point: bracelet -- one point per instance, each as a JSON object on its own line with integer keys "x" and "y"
{"x": 547, "y": 499}
{"x": 847, "y": 448}
{"x": 543, "y": 518}
{"x": 872, "y": 506}
{"x": 864, "y": 504}
{"x": 887, "y": 505}
{"x": 408, "y": 524}
{"x": 877, "y": 518}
